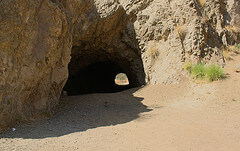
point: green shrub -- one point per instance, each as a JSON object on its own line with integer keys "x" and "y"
{"x": 198, "y": 71}
{"x": 214, "y": 72}
{"x": 202, "y": 71}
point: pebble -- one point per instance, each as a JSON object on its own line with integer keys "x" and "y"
{"x": 237, "y": 68}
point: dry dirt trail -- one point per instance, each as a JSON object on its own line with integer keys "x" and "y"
{"x": 180, "y": 117}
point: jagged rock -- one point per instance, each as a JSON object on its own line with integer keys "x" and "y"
{"x": 35, "y": 46}
{"x": 147, "y": 39}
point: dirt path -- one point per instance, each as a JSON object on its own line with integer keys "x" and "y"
{"x": 180, "y": 117}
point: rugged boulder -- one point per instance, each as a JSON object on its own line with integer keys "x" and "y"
{"x": 35, "y": 46}
{"x": 149, "y": 40}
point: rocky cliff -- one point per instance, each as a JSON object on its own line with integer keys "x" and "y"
{"x": 149, "y": 40}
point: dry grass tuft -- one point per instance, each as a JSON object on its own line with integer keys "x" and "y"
{"x": 187, "y": 66}
{"x": 202, "y": 3}
{"x": 227, "y": 55}
{"x": 234, "y": 48}
{"x": 228, "y": 51}
{"x": 181, "y": 31}
{"x": 233, "y": 29}
{"x": 153, "y": 52}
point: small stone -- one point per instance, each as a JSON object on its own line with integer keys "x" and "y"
{"x": 237, "y": 68}
{"x": 106, "y": 103}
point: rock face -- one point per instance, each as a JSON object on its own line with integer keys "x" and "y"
{"x": 149, "y": 40}
{"x": 35, "y": 52}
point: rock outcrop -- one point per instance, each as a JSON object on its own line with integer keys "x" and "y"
{"x": 35, "y": 52}
{"x": 149, "y": 40}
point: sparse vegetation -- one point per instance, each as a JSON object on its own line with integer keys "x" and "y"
{"x": 234, "y": 48}
{"x": 233, "y": 29}
{"x": 202, "y": 2}
{"x": 234, "y": 32}
{"x": 226, "y": 55}
{"x": 228, "y": 51}
{"x": 198, "y": 71}
{"x": 181, "y": 31}
{"x": 187, "y": 66}
{"x": 201, "y": 6}
{"x": 214, "y": 72}
{"x": 153, "y": 52}
{"x": 202, "y": 71}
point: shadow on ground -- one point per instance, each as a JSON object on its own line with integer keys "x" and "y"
{"x": 84, "y": 112}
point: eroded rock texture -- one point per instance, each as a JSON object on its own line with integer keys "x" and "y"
{"x": 148, "y": 40}
{"x": 35, "y": 45}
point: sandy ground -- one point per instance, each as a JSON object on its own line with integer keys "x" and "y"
{"x": 181, "y": 117}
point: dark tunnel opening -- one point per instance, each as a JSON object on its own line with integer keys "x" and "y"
{"x": 103, "y": 47}
{"x": 97, "y": 77}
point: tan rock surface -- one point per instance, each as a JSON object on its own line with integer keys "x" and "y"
{"x": 149, "y": 39}
{"x": 35, "y": 51}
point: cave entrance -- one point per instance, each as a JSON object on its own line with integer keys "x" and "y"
{"x": 99, "y": 77}
{"x": 95, "y": 71}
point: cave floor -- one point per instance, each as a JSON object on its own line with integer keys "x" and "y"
{"x": 180, "y": 117}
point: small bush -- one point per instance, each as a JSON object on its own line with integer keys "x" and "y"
{"x": 198, "y": 70}
{"x": 181, "y": 31}
{"x": 205, "y": 72}
{"x": 214, "y": 72}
